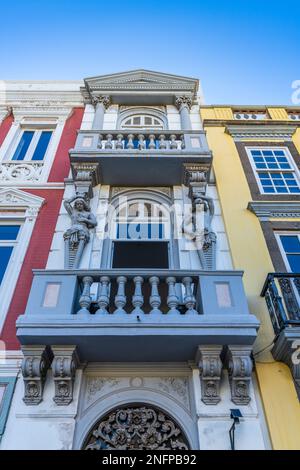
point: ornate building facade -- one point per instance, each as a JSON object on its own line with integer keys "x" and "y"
{"x": 128, "y": 215}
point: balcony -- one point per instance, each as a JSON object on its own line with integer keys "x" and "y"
{"x": 137, "y": 158}
{"x": 126, "y": 315}
{"x": 282, "y": 294}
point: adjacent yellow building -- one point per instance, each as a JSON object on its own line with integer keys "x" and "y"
{"x": 256, "y": 166}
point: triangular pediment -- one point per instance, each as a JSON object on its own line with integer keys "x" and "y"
{"x": 16, "y": 198}
{"x": 142, "y": 79}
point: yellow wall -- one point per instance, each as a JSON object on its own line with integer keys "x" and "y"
{"x": 250, "y": 253}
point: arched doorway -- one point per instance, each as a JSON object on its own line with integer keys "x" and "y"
{"x": 136, "y": 427}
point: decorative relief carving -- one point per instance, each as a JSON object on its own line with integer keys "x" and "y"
{"x": 11, "y": 171}
{"x": 35, "y": 364}
{"x": 176, "y": 386}
{"x": 239, "y": 366}
{"x": 136, "y": 428}
{"x": 97, "y": 384}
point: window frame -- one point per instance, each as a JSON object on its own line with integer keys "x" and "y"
{"x": 294, "y": 169}
{"x": 37, "y": 132}
{"x": 9, "y": 243}
{"x": 5, "y": 404}
{"x": 285, "y": 233}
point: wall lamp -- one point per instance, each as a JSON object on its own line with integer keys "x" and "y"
{"x": 236, "y": 415}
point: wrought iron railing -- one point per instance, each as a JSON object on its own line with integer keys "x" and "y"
{"x": 282, "y": 294}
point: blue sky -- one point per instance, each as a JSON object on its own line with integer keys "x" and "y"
{"x": 244, "y": 52}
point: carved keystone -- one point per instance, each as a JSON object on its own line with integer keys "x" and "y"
{"x": 210, "y": 366}
{"x": 35, "y": 364}
{"x": 64, "y": 367}
{"x": 239, "y": 364}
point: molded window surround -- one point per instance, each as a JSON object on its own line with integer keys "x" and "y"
{"x": 274, "y": 170}
{"x": 17, "y": 208}
{"x": 289, "y": 245}
{"x": 7, "y": 385}
{"x": 142, "y": 118}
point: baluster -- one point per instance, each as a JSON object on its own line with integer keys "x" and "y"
{"x": 99, "y": 144}
{"x": 182, "y": 142}
{"x": 119, "y": 143}
{"x": 109, "y": 144}
{"x": 189, "y": 298}
{"x": 120, "y": 299}
{"x": 162, "y": 142}
{"x": 155, "y": 300}
{"x": 103, "y": 299}
{"x": 152, "y": 145}
{"x": 172, "y": 299}
{"x": 173, "y": 143}
{"x": 85, "y": 298}
{"x": 130, "y": 144}
{"x": 138, "y": 298}
{"x": 141, "y": 143}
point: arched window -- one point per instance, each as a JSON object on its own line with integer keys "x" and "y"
{"x": 142, "y": 121}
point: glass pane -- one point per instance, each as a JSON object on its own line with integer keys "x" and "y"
{"x": 136, "y": 120}
{"x": 294, "y": 262}
{"x": 290, "y": 243}
{"x": 9, "y": 232}
{"x": 282, "y": 190}
{"x": 148, "y": 121}
{"x": 42, "y": 145}
{"x": 255, "y": 153}
{"x": 2, "y": 390}
{"x": 23, "y": 145}
{"x": 5, "y": 254}
{"x": 267, "y": 153}
{"x": 269, "y": 190}
{"x": 279, "y": 152}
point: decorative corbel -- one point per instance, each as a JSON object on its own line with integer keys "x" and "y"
{"x": 35, "y": 364}
{"x": 85, "y": 176}
{"x": 239, "y": 364}
{"x": 210, "y": 367}
{"x": 64, "y": 367}
{"x": 196, "y": 179}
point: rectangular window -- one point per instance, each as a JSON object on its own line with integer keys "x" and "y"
{"x": 8, "y": 237}
{"x": 290, "y": 248}
{"x": 32, "y": 145}
{"x": 275, "y": 170}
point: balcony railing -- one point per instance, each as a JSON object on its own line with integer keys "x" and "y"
{"x": 141, "y": 140}
{"x": 282, "y": 294}
{"x": 154, "y": 315}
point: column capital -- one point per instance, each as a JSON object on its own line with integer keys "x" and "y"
{"x": 85, "y": 176}
{"x": 195, "y": 177}
{"x": 239, "y": 364}
{"x": 35, "y": 364}
{"x": 210, "y": 367}
{"x": 64, "y": 367}
{"x": 183, "y": 102}
{"x": 105, "y": 100}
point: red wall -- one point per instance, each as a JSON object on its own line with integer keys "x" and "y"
{"x": 39, "y": 246}
{"x": 5, "y": 126}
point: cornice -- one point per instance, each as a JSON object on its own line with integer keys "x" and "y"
{"x": 265, "y": 210}
{"x": 261, "y": 131}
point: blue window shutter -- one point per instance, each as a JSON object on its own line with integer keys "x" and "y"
{"x": 23, "y": 145}
{"x": 42, "y": 145}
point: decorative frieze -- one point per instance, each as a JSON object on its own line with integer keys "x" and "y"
{"x": 210, "y": 367}
{"x": 239, "y": 363}
{"x": 20, "y": 171}
{"x": 266, "y": 210}
{"x": 64, "y": 367}
{"x": 257, "y": 132}
{"x": 35, "y": 364}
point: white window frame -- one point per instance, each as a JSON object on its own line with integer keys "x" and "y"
{"x": 294, "y": 169}
{"x": 32, "y": 145}
{"x": 19, "y": 208}
{"x": 282, "y": 251}
{"x": 142, "y": 125}
{"x": 10, "y": 243}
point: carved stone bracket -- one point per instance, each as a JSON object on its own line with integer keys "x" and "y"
{"x": 195, "y": 177}
{"x": 210, "y": 366}
{"x": 64, "y": 367}
{"x": 36, "y": 362}
{"x": 287, "y": 349}
{"x": 86, "y": 176}
{"x": 239, "y": 364}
